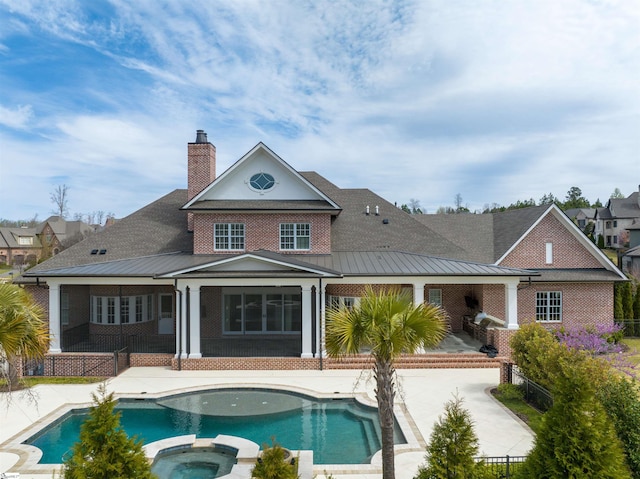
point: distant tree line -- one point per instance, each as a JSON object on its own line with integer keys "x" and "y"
{"x": 573, "y": 199}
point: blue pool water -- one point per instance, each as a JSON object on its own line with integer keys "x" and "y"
{"x": 338, "y": 431}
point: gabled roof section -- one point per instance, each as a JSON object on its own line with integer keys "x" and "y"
{"x": 284, "y": 190}
{"x": 10, "y": 237}
{"x": 253, "y": 264}
{"x": 628, "y": 207}
{"x": 510, "y": 224}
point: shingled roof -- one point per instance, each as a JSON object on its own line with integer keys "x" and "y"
{"x": 484, "y": 237}
{"x": 158, "y": 228}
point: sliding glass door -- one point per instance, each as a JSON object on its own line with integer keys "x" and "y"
{"x": 261, "y": 310}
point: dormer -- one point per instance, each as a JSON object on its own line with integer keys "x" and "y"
{"x": 259, "y": 203}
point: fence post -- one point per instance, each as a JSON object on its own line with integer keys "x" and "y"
{"x": 508, "y": 474}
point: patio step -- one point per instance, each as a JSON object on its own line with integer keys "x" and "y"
{"x": 423, "y": 361}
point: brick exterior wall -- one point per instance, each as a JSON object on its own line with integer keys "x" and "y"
{"x": 567, "y": 251}
{"x": 262, "y": 231}
{"x": 582, "y": 303}
{"x": 452, "y": 301}
{"x": 79, "y": 364}
{"x": 493, "y": 300}
{"x": 211, "y": 312}
{"x": 150, "y": 360}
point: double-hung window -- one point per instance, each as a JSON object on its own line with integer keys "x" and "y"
{"x": 295, "y": 236}
{"x": 549, "y": 306}
{"x": 229, "y": 236}
{"x": 435, "y": 296}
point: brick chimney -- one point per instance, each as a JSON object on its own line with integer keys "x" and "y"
{"x": 201, "y": 166}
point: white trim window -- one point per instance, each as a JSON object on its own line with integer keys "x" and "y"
{"x": 228, "y": 236}
{"x": 295, "y": 236}
{"x": 121, "y": 309}
{"x": 549, "y": 306}
{"x": 349, "y": 302}
{"x": 548, "y": 249}
{"x": 435, "y": 296}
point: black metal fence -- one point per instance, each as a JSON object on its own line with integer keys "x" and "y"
{"x": 502, "y": 467}
{"x": 630, "y": 327}
{"x": 78, "y": 340}
{"x": 91, "y": 365}
{"x": 534, "y": 394}
{"x": 81, "y": 342}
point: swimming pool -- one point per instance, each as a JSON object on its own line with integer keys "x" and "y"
{"x": 338, "y": 431}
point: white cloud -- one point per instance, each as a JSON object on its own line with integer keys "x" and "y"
{"x": 17, "y": 117}
{"x": 497, "y": 101}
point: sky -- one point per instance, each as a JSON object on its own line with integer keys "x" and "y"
{"x": 496, "y": 101}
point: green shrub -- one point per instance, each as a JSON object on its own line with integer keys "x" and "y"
{"x": 104, "y": 450}
{"x": 272, "y": 465}
{"x": 620, "y": 397}
{"x": 453, "y": 446}
{"x": 577, "y": 439}
{"x": 510, "y": 392}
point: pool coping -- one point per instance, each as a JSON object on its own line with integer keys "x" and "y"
{"x": 28, "y": 455}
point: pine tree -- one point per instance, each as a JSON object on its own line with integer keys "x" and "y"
{"x": 627, "y": 300}
{"x": 453, "y": 446}
{"x": 636, "y": 303}
{"x": 577, "y": 439}
{"x": 104, "y": 450}
{"x": 618, "y": 307}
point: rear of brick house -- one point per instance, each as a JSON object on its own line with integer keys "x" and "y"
{"x": 238, "y": 270}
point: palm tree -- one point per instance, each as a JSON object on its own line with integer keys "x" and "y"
{"x": 23, "y": 330}
{"x": 388, "y": 324}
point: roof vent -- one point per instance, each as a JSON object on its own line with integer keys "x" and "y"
{"x": 385, "y": 221}
{"x": 103, "y": 251}
{"x": 94, "y": 251}
{"x": 201, "y": 137}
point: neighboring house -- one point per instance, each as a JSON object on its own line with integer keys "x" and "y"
{"x": 56, "y": 233}
{"x": 24, "y": 246}
{"x": 244, "y": 265}
{"x": 614, "y": 219}
{"x": 582, "y": 216}
{"x": 19, "y": 247}
{"x": 631, "y": 257}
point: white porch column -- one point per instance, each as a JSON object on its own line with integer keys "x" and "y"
{"x": 511, "y": 313}
{"x": 194, "y": 322}
{"x": 320, "y": 307}
{"x": 181, "y": 323}
{"x": 54, "y": 318}
{"x": 418, "y": 293}
{"x": 306, "y": 322}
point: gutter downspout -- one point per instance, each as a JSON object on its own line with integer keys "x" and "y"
{"x": 179, "y": 328}
{"x": 319, "y": 345}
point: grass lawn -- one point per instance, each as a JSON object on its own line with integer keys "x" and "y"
{"x": 530, "y": 415}
{"x": 35, "y": 380}
{"x": 634, "y": 350}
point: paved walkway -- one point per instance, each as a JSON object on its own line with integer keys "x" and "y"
{"x": 423, "y": 391}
